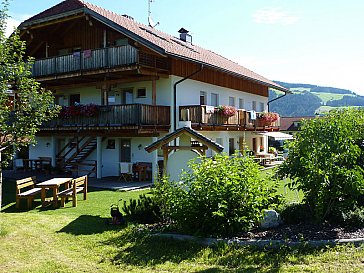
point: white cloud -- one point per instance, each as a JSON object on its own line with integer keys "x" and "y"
{"x": 10, "y": 25}
{"x": 274, "y": 16}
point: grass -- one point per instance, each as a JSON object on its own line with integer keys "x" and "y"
{"x": 79, "y": 240}
{"x": 325, "y": 97}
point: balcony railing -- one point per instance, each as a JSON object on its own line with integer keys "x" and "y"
{"x": 103, "y": 58}
{"x": 117, "y": 116}
{"x": 206, "y": 115}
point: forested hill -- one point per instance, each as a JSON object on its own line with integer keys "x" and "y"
{"x": 308, "y": 99}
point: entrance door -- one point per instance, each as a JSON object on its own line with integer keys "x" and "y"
{"x": 127, "y": 96}
{"x": 125, "y": 150}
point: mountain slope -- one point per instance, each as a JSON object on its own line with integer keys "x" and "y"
{"x": 308, "y": 99}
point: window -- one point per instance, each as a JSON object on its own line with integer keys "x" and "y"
{"x": 110, "y": 144}
{"x": 231, "y": 146}
{"x": 203, "y": 100}
{"x": 214, "y": 99}
{"x": 75, "y": 99}
{"x": 254, "y": 105}
{"x": 241, "y": 104}
{"x": 141, "y": 93}
{"x": 261, "y": 106}
{"x": 232, "y": 101}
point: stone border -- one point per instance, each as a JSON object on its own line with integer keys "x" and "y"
{"x": 260, "y": 243}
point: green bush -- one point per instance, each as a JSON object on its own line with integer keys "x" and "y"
{"x": 325, "y": 162}
{"x": 295, "y": 213}
{"x": 220, "y": 196}
{"x": 144, "y": 210}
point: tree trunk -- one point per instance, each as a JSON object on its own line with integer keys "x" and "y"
{"x": 1, "y": 182}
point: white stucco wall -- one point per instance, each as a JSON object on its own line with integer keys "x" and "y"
{"x": 177, "y": 162}
{"x": 188, "y": 93}
{"x": 43, "y": 148}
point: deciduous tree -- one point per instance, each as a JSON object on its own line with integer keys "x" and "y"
{"x": 24, "y": 104}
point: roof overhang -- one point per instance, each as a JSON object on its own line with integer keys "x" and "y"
{"x": 277, "y": 135}
{"x": 184, "y": 130}
{"x": 86, "y": 11}
{"x": 235, "y": 74}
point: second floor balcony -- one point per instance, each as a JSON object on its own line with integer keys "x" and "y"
{"x": 207, "y": 116}
{"x": 97, "y": 59}
{"x": 94, "y": 117}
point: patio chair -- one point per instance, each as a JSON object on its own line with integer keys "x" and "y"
{"x": 126, "y": 171}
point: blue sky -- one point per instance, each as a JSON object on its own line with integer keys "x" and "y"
{"x": 311, "y": 41}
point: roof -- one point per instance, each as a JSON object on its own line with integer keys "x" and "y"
{"x": 184, "y": 130}
{"x": 150, "y": 37}
{"x": 287, "y": 123}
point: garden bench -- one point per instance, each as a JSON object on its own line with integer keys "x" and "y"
{"x": 77, "y": 185}
{"x": 29, "y": 194}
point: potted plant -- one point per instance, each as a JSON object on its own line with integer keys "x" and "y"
{"x": 226, "y": 110}
{"x": 267, "y": 119}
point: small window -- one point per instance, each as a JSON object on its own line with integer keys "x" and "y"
{"x": 214, "y": 99}
{"x": 231, "y": 101}
{"x": 203, "y": 98}
{"x": 261, "y": 105}
{"x": 241, "y": 104}
{"x": 231, "y": 146}
{"x": 254, "y": 105}
{"x": 141, "y": 93}
{"x": 110, "y": 144}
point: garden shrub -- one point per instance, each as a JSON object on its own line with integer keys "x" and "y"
{"x": 295, "y": 213}
{"x": 219, "y": 196}
{"x": 144, "y": 210}
{"x": 325, "y": 162}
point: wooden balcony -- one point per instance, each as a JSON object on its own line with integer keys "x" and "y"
{"x": 96, "y": 59}
{"x": 128, "y": 116}
{"x": 206, "y": 117}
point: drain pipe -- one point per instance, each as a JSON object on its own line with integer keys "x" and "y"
{"x": 175, "y": 95}
{"x": 285, "y": 93}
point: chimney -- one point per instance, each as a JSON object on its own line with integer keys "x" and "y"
{"x": 184, "y": 36}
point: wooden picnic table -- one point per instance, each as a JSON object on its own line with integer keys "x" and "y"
{"x": 36, "y": 164}
{"x": 53, "y": 184}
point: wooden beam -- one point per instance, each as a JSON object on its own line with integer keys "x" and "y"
{"x": 40, "y": 25}
{"x": 154, "y": 92}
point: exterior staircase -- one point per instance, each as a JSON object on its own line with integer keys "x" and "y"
{"x": 74, "y": 160}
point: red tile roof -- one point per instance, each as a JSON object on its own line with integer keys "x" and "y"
{"x": 167, "y": 44}
{"x": 287, "y": 123}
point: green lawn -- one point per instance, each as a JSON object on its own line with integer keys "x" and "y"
{"x": 79, "y": 240}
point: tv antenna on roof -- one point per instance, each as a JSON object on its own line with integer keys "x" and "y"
{"x": 150, "y": 20}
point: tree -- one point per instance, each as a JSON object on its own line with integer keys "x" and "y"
{"x": 24, "y": 105}
{"x": 326, "y": 162}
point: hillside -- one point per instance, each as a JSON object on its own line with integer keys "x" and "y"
{"x": 308, "y": 99}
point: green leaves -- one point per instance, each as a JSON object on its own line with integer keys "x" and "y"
{"x": 24, "y": 105}
{"x": 326, "y": 161}
{"x": 220, "y": 196}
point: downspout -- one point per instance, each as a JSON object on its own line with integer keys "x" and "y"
{"x": 285, "y": 93}
{"x": 175, "y": 95}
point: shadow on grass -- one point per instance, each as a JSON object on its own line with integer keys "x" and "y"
{"x": 139, "y": 248}
{"x": 89, "y": 224}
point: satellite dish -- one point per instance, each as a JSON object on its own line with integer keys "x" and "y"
{"x": 151, "y": 22}
{"x": 150, "y": 19}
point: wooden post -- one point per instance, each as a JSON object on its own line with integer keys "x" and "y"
{"x": 165, "y": 159}
{"x": 154, "y": 92}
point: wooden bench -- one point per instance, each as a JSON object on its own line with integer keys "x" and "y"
{"x": 77, "y": 185}
{"x": 29, "y": 194}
